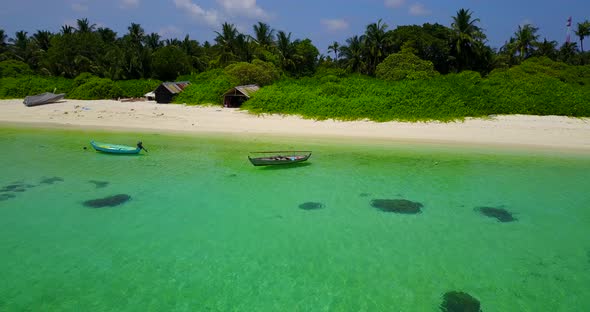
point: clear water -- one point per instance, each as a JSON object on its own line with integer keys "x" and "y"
{"x": 207, "y": 231}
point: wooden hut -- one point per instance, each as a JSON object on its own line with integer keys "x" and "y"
{"x": 167, "y": 90}
{"x": 238, "y": 95}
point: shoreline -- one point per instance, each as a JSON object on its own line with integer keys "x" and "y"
{"x": 509, "y": 131}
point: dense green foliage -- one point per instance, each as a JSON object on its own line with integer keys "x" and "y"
{"x": 205, "y": 88}
{"x": 170, "y": 62}
{"x": 524, "y": 76}
{"x": 405, "y": 65}
{"x": 84, "y": 87}
{"x": 22, "y": 86}
{"x": 525, "y": 89}
{"x": 13, "y": 68}
{"x": 137, "y": 87}
{"x": 429, "y": 41}
{"x": 257, "y": 72}
{"x": 95, "y": 89}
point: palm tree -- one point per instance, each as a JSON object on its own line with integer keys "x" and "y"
{"x": 226, "y": 40}
{"x": 466, "y": 37}
{"x": 84, "y": 26}
{"x": 286, "y": 50}
{"x": 136, "y": 34}
{"x": 20, "y": 45}
{"x": 582, "y": 32}
{"x": 228, "y": 36}
{"x": 107, "y": 35}
{"x": 547, "y": 48}
{"x": 568, "y": 53}
{"x": 525, "y": 40}
{"x": 335, "y": 47}
{"x": 3, "y": 39}
{"x": 67, "y": 30}
{"x": 377, "y": 43}
{"x": 244, "y": 48}
{"x": 136, "y": 57}
{"x": 353, "y": 53}
{"x": 508, "y": 52}
{"x": 42, "y": 38}
{"x": 173, "y": 42}
{"x": 264, "y": 35}
{"x": 152, "y": 41}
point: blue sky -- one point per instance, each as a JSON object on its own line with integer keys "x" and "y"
{"x": 322, "y": 21}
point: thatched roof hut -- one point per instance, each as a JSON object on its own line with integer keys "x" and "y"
{"x": 238, "y": 95}
{"x": 167, "y": 90}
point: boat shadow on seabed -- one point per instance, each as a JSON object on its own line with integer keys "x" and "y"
{"x": 286, "y": 166}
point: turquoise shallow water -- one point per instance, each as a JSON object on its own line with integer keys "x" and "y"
{"x": 206, "y": 231}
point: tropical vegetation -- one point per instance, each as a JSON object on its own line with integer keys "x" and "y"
{"x": 411, "y": 72}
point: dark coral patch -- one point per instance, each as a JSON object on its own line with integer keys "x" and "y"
{"x": 311, "y": 206}
{"x": 11, "y": 187}
{"x": 52, "y": 180}
{"x": 4, "y": 197}
{"x": 402, "y": 206}
{"x": 458, "y": 301}
{"x": 99, "y": 184}
{"x": 110, "y": 201}
{"x": 502, "y": 215}
{"x": 15, "y": 187}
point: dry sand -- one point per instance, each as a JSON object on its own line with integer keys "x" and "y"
{"x": 553, "y": 132}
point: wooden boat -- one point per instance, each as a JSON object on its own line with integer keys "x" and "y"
{"x": 117, "y": 149}
{"x": 279, "y": 157}
{"x": 43, "y": 98}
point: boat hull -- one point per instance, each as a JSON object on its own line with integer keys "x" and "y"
{"x": 278, "y": 160}
{"x": 114, "y": 148}
{"x": 44, "y": 98}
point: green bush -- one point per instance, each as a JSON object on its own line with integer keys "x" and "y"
{"x": 549, "y": 91}
{"x": 83, "y": 78}
{"x": 13, "y": 68}
{"x": 405, "y": 65}
{"x": 521, "y": 90}
{"x": 205, "y": 88}
{"x": 96, "y": 89}
{"x": 329, "y": 71}
{"x": 18, "y": 88}
{"x": 257, "y": 72}
{"x": 137, "y": 87}
{"x": 562, "y": 71}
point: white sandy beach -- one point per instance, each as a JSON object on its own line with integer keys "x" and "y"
{"x": 554, "y": 132}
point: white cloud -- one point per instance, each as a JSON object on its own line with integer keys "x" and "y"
{"x": 129, "y": 3}
{"x": 394, "y": 3}
{"x": 419, "y": 9}
{"x": 247, "y": 8}
{"x": 210, "y": 17}
{"x": 80, "y": 7}
{"x": 335, "y": 24}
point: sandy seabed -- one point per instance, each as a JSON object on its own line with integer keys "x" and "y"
{"x": 552, "y": 132}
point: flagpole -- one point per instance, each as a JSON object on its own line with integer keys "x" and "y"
{"x": 569, "y": 29}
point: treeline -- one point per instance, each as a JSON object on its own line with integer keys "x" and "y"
{"x": 408, "y": 73}
{"x": 138, "y": 55}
